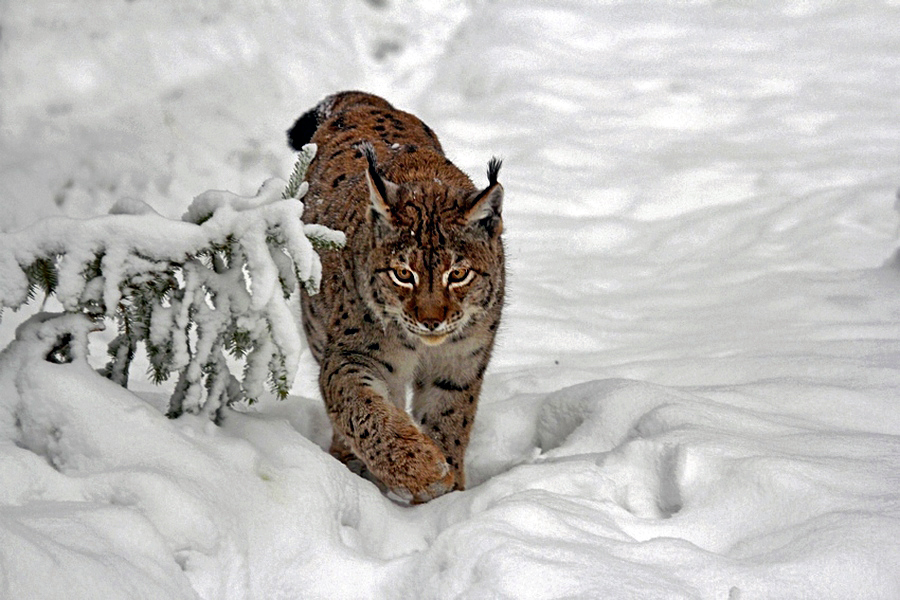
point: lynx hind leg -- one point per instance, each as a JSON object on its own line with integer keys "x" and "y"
{"x": 446, "y": 411}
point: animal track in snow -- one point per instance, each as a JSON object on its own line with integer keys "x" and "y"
{"x": 648, "y": 476}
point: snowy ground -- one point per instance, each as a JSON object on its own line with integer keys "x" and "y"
{"x": 695, "y": 391}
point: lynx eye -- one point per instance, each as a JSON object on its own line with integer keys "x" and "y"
{"x": 403, "y": 277}
{"x": 459, "y": 276}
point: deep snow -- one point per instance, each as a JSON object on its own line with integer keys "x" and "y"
{"x": 694, "y": 393}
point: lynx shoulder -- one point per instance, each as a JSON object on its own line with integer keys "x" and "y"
{"x": 411, "y": 303}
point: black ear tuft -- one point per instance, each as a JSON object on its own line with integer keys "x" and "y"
{"x": 382, "y": 193}
{"x": 369, "y": 152}
{"x": 494, "y": 169}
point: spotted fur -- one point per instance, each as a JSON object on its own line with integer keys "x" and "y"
{"x": 414, "y": 299}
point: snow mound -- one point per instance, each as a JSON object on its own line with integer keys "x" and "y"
{"x": 603, "y": 487}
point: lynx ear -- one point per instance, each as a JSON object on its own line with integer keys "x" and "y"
{"x": 485, "y": 206}
{"x": 382, "y": 193}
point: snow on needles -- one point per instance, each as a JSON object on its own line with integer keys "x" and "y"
{"x": 225, "y": 277}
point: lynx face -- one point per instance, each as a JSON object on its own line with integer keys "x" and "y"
{"x": 437, "y": 269}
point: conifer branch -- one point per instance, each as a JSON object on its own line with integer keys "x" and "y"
{"x": 197, "y": 295}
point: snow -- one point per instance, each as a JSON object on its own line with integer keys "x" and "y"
{"x": 694, "y": 391}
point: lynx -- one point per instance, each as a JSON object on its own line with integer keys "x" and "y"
{"x": 411, "y": 303}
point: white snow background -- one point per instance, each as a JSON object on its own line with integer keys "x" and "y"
{"x": 695, "y": 392}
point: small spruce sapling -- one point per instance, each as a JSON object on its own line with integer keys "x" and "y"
{"x": 207, "y": 296}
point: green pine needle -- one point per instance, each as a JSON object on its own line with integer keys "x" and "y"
{"x": 298, "y": 175}
{"x": 42, "y": 274}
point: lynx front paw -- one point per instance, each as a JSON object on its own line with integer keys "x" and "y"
{"x": 443, "y": 483}
{"x": 417, "y": 470}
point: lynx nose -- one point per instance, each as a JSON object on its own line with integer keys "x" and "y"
{"x": 431, "y": 324}
{"x": 430, "y": 317}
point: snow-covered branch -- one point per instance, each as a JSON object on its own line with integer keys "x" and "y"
{"x": 221, "y": 281}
